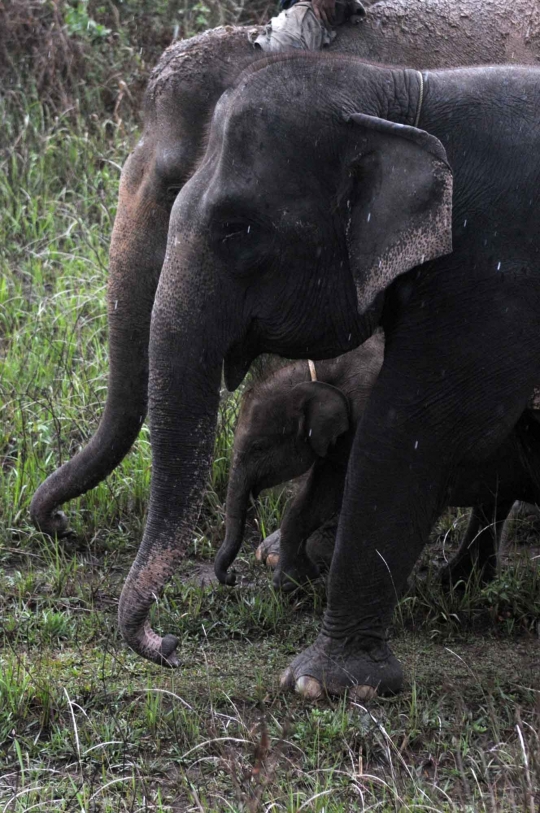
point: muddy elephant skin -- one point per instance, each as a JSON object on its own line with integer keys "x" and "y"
{"x": 181, "y": 96}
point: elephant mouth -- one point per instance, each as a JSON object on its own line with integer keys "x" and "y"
{"x": 235, "y": 367}
{"x": 238, "y": 359}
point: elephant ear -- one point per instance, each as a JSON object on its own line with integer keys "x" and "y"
{"x": 399, "y": 203}
{"x": 323, "y": 414}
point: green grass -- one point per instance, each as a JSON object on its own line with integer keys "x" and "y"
{"x": 87, "y": 726}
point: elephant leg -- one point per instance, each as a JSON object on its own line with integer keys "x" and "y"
{"x": 480, "y": 545}
{"x": 523, "y": 514}
{"x": 319, "y": 546}
{"x": 137, "y": 250}
{"x": 431, "y": 410}
{"x": 319, "y": 499}
{"x": 268, "y": 551}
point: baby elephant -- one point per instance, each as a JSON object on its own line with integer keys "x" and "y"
{"x": 303, "y": 418}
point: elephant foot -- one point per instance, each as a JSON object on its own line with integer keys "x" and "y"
{"x": 299, "y": 573}
{"x": 460, "y": 570}
{"x": 268, "y": 550}
{"x": 319, "y": 548}
{"x": 336, "y": 666}
{"x": 54, "y": 524}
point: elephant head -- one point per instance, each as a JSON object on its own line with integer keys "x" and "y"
{"x": 300, "y": 215}
{"x": 281, "y": 432}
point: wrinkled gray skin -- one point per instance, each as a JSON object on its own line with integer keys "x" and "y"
{"x": 289, "y": 424}
{"x": 180, "y": 99}
{"x": 318, "y": 212}
{"x": 179, "y": 102}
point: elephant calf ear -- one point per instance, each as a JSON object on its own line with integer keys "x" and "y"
{"x": 323, "y": 414}
{"x": 399, "y": 203}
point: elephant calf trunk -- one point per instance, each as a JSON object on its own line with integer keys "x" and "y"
{"x": 229, "y": 549}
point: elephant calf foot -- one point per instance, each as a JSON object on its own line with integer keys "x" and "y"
{"x": 335, "y": 666}
{"x": 319, "y": 548}
{"x": 268, "y": 550}
{"x": 298, "y": 573}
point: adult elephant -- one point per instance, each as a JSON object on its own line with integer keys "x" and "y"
{"x": 179, "y": 102}
{"x": 307, "y": 224}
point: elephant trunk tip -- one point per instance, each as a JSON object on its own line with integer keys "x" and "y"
{"x": 232, "y": 543}
{"x": 221, "y": 566}
{"x": 145, "y": 642}
{"x": 167, "y": 652}
{"x": 46, "y": 518}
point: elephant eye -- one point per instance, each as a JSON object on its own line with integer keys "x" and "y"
{"x": 233, "y": 230}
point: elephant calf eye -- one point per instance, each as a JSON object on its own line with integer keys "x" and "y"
{"x": 172, "y": 192}
{"x": 258, "y": 446}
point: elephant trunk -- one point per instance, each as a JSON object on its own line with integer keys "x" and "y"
{"x": 182, "y": 454}
{"x": 135, "y": 263}
{"x": 187, "y": 346}
{"x": 238, "y": 493}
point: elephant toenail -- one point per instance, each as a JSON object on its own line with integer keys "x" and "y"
{"x": 272, "y": 560}
{"x": 308, "y": 687}
{"x": 259, "y": 554}
{"x": 362, "y": 693}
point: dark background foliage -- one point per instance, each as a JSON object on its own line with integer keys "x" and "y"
{"x": 95, "y": 55}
